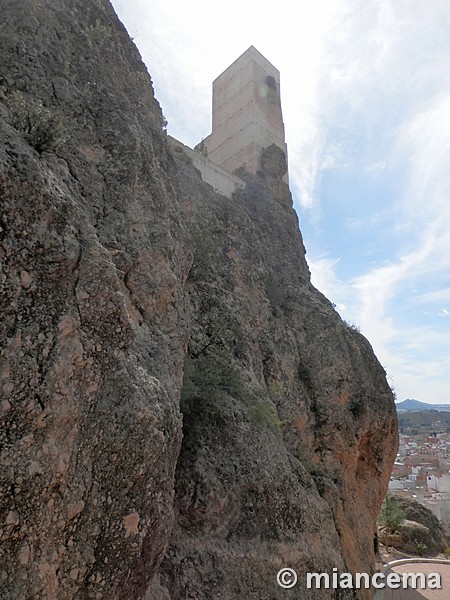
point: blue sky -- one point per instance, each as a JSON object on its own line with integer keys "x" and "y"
{"x": 365, "y": 92}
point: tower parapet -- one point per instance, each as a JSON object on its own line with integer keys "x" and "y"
{"x": 246, "y": 114}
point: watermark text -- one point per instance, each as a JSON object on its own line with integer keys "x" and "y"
{"x": 287, "y": 578}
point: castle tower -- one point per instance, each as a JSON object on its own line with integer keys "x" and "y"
{"x": 246, "y": 114}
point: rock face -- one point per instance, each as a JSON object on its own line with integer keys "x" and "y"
{"x": 94, "y": 263}
{"x": 183, "y": 414}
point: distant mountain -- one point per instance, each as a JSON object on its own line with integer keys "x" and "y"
{"x": 411, "y": 404}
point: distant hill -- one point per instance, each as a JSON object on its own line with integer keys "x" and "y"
{"x": 411, "y": 404}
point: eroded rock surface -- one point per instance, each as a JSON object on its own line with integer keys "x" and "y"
{"x": 94, "y": 262}
{"x": 121, "y": 272}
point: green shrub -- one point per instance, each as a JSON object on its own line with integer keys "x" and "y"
{"x": 391, "y": 515}
{"x": 209, "y": 374}
{"x": 99, "y": 33}
{"x": 276, "y": 389}
{"x": 262, "y": 414}
{"x": 212, "y": 371}
{"x": 36, "y": 123}
{"x": 352, "y": 326}
{"x": 421, "y": 548}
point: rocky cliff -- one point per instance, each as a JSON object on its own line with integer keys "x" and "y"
{"x": 183, "y": 414}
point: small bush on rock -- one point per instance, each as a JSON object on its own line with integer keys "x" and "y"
{"x": 36, "y": 123}
{"x": 391, "y": 515}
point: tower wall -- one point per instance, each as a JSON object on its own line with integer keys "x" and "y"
{"x": 246, "y": 113}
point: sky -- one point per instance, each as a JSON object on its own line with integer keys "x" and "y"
{"x": 365, "y": 94}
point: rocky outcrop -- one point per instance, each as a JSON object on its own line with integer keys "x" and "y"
{"x": 288, "y": 427}
{"x": 420, "y": 533}
{"x": 183, "y": 414}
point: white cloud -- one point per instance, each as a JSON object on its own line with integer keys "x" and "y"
{"x": 418, "y": 146}
{"x": 433, "y": 297}
{"x": 324, "y": 278}
{"x": 425, "y": 141}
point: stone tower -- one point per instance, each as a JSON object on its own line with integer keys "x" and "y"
{"x": 246, "y": 114}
